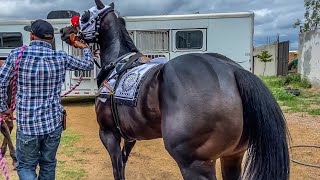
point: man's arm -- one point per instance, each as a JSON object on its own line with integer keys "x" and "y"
{"x": 86, "y": 63}
{"x": 6, "y": 74}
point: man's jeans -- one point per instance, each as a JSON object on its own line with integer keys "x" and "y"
{"x": 34, "y": 150}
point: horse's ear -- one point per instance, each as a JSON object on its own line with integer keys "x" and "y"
{"x": 112, "y": 5}
{"x": 99, "y": 4}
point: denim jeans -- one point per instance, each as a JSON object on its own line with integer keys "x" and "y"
{"x": 33, "y": 150}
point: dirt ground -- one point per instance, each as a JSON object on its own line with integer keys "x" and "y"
{"x": 149, "y": 160}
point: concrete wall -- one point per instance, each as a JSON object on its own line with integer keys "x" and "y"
{"x": 309, "y": 56}
{"x": 271, "y": 67}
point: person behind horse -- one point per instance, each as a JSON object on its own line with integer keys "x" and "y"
{"x": 292, "y": 66}
{"x": 39, "y": 111}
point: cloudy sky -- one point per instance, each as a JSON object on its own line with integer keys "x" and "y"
{"x": 272, "y": 17}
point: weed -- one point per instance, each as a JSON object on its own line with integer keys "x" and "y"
{"x": 315, "y": 112}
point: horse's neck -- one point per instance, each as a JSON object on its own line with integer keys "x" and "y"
{"x": 113, "y": 52}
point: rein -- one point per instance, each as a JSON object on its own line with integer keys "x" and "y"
{"x": 96, "y": 54}
{"x": 74, "y": 87}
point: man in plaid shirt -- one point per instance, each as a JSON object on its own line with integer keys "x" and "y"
{"x": 39, "y": 111}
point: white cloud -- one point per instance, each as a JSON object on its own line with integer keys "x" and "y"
{"x": 262, "y": 12}
{"x": 5, "y": 10}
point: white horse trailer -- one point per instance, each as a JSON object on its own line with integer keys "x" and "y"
{"x": 230, "y": 34}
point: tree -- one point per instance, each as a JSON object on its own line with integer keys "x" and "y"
{"x": 265, "y": 57}
{"x": 311, "y": 16}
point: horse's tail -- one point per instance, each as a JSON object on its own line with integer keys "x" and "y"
{"x": 265, "y": 127}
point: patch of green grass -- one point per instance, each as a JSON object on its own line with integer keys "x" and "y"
{"x": 69, "y": 138}
{"x": 281, "y": 95}
{"x": 315, "y": 112}
{"x": 71, "y": 169}
{"x": 67, "y": 143}
{"x": 69, "y": 172}
{"x": 316, "y": 101}
{"x": 291, "y": 102}
{"x": 74, "y": 174}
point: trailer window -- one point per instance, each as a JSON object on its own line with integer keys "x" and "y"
{"x": 10, "y": 39}
{"x": 153, "y": 41}
{"x": 189, "y": 39}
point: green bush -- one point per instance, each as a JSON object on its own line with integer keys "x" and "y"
{"x": 296, "y": 81}
{"x": 292, "y": 81}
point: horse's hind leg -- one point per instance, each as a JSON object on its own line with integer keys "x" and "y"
{"x": 128, "y": 146}
{"x": 190, "y": 167}
{"x": 231, "y": 166}
{"x": 199, "y": 170}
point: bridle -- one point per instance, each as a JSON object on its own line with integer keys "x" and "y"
{"x": 92, "y": 36}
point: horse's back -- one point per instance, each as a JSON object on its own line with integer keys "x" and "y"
{"x": 208, "y": 71}
{"x": 199, "y": 102}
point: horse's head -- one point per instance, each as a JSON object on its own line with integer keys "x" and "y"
{"x": 103, "y": 25}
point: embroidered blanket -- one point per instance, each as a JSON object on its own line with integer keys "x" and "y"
{"x": 129, "y": 84}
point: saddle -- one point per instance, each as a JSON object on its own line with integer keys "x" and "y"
{"x": 121, "y": 65}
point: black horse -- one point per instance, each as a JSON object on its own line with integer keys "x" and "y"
{"x": 204, "y": 106}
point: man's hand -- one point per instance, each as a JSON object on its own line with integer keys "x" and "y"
{"x": 80, "y": 45}
{"x": 7, "y": 115}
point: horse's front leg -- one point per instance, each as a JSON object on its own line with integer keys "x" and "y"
{"x": 111, "y": 141}
{"x": 5, "y": 141}
{"x": 6, "y": 132}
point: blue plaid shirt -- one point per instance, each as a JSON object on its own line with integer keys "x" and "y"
{"x": 40, "y": 78}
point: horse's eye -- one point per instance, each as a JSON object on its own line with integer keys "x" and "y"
{"x": 85, "y": 17}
